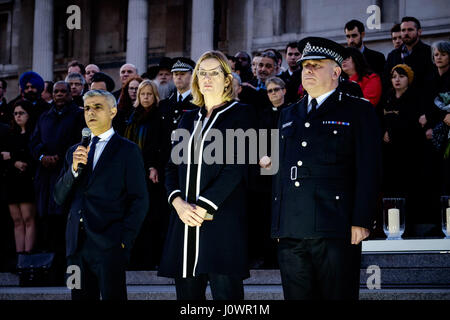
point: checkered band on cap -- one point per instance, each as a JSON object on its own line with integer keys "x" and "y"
{"x": 181, "y": 66}
{"x": 321, "y": 51}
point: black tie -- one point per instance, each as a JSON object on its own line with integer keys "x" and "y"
{"x": 313, "y": 105}
{"x": 90, "y": 163}
{"x": 180, "y": 98}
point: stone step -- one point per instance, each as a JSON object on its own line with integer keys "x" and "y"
{"x": 438, "y": 277}
{"x": 252, "y": 292}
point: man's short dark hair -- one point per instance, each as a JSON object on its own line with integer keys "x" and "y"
{"x": 4, "y": 84}
{"x": 278, "y": 56}
{"x": 412, "y": 19}
{"x": 292, "y": 45}
{"x": 76, "y": 63}
{"x": 354, "y": 23}
{"x": 270, "y": 54}
{"x": 395, "y": 28}
{"x": 49, "y": 86}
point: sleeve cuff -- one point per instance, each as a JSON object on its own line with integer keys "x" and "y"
{"x": 173, "y": 195}
{"x": 74, "y": 173}
{"x": 207, "y": 204}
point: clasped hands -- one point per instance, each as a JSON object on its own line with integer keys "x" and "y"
{"x": 191, "y": 214}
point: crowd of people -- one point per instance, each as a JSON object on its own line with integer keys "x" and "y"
{"x": 409, "y": 90}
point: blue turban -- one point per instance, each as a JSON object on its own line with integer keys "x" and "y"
{"x": 34, "y": 78}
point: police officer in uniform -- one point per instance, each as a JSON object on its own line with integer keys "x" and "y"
{"x": 173, "y": 108}
{"x": 325, "y": 191}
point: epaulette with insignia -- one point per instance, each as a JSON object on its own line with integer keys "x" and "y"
{"x": 349, "y": 95}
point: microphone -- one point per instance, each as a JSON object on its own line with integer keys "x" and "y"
{"x": 85, "y": 139}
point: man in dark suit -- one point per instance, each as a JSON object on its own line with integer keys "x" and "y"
{"x": 104, "y": 187}
{"x": 412, "y": 52}
{"x": 354, "y": 32}
{"x": 325, "y": 191}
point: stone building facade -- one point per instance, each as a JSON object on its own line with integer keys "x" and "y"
{"x": 34, "y": 34}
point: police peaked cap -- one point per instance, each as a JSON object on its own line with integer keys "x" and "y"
{"x": 34, "y": 78}
{"x": 316, "y": 48}
{"x": 183, "y": 64}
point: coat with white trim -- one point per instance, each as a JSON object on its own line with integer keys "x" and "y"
{"x": 329, "y": 171}
{"x": 221, "y": 190}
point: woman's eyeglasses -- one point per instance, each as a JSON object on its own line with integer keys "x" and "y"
{"x": 211, "y": 74}
{"x": 19, "y": 113}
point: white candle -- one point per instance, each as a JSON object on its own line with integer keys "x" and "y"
{"x": 394, "y": 221}
{"x": 448, "y": 221}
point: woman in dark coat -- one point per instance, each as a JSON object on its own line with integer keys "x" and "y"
{"x": 440, "y": 109}
{"x": 144, "y": 127}
{"x": 19, "y": 177}
{"x": 405, "y": 150}
{"x": 207, "y": 236}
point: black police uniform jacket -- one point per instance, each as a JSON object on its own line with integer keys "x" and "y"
{"x": 220, "y": 245}
{"x": 171, "y": 113}
{"x": 329, "y": 171}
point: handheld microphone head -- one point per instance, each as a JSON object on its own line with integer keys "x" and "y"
{"x": 85, "y": 137}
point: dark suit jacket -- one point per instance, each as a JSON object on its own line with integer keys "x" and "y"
{"x": 375, "y": 59}
{"x": 112, "y": 200}
{"x": 329, "y": 171}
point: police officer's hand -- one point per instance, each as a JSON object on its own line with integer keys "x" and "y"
{"x": 359, "y": 234}
{"x": 386, "y": 137}
{"x": 265, "y": 162}
{"x": 423, "y": 120}
{"x": 153, "y": 176}
{"x": 80, "y": 155}
{"x": 186, "y": 212}
{"x": 447, "y": 119}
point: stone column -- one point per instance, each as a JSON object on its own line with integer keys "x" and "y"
{"x": 202, "y": 27}
{"x": 137, "y": 35}
{"x": 43, "y": 39}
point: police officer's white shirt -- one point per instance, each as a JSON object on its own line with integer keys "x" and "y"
{"x": 183, "y": 95}
{"x": 100, "y": 146}
{"x": 320, "y": 99}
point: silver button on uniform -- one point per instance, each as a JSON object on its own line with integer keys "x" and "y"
{"x": 297, "y": 184}
{"x": 337, "y": 197}
{"x": 304, "y": 144}
{"x": 307, "y": 124}
{"x": 299, "y": 163}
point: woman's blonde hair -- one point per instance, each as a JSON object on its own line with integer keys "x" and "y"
{"x": 142, "y": 85}
{"x": 228, "y": 93}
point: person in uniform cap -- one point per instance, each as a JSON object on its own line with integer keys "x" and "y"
{"x": 325, "y": 191}
{"x": 173, "y": 108}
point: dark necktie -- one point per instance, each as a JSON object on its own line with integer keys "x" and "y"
{"x": 180, "y": 98}
{"x": 90, "y": 163}
{"x": 313, "y": 106}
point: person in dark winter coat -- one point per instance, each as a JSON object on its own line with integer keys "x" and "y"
{"x": 56, "y": 130}
{"x": 207, "y": 236}
{"x": 144, "y": 127}
{"x": 19, "y": 178}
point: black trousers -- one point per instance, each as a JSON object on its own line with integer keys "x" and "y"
{"x": 314, "y": 269}
{"x": 102, "y": 271}
{"x": 223, "y": 287}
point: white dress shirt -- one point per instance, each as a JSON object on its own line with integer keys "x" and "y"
{"x": 320, "y": 99}
{"x": 101, "y": 144}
